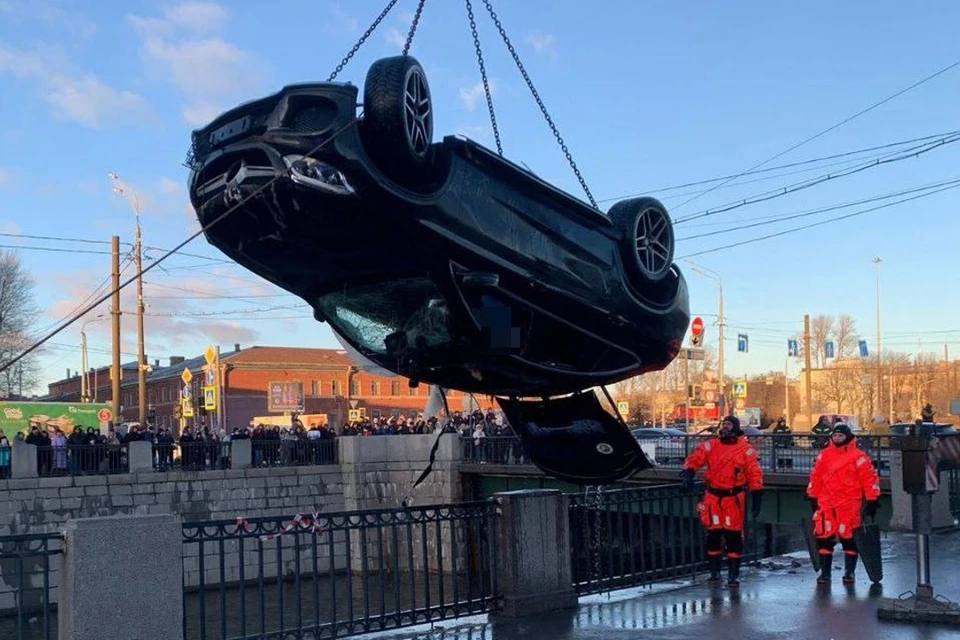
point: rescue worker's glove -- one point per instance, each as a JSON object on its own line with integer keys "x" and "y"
{"x": 687, "y": 475}
{"x": 814, "y": 505}
{"x": 756, "y": 503}
{"x": 872, "y": 506}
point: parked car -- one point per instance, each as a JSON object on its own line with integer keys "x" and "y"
{"x": 443, "y": 261}
{"x": 669, "y": 442}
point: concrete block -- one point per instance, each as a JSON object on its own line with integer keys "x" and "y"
{"x": 122, "y": 490}
{"x": 534, "y": 570}
{"x": 50, "y": 483}
{"x": 71, "y": 492}
{"x": 121, "y": 478}
{"x": 111, "y": 590}
{"x": 140, "y": 456}
{"x": 23, "y": 460}
{"x": 95, "y": 491}
{"x": 241, "y": 454}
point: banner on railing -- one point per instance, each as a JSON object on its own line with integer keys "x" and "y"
{"x": 303, "y": 521}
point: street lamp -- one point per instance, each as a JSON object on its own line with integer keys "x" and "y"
{"x": 713, "y": 275}
{"x": 85, "y": 376}
{"x": 876, "y": 263}
{"x": 131, "y": 196}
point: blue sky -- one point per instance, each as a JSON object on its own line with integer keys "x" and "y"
{"x": 647, "y": 95}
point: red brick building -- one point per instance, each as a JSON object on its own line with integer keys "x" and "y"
{"x": 332, "y": 384}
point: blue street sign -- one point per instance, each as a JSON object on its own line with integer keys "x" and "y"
{"x": 829, "y": 349}
{"x": 743, "y": 343}
{"x": 863, "y": 349}
{"x": 793, "y": 348}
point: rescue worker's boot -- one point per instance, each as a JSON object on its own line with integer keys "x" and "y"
{"x": 714, "y": 565}
{"x": 849, "y": 567}
{"x": 733, "y": 572}
{"x": 826, "y": 565}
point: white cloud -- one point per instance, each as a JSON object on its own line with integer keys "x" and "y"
{"x": 91, "y": 102}
{"x": 342, "y": 20}
{"x": 470, "y": 95}
{"x": 11, "y": 227}
{"x": 184, "y": 46}
{"x": 544, "y": 44}
{"x": 85, "y": 99}
{"x": 169, "y": 187}
{"x": 22, "y": 11}
{"x": 6, "y": 179}
{"x": 474, "y": 132}
{"x": 395, "y": 38}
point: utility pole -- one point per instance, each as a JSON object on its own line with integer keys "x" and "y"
{"x": 115, "y": 321}
{"x": 122, "y": 190}
{"x": 876, "y": 264}
{"x": 786, "y": 390}
{"x": 84, "y": 380}
{"x": 141, "y": 357}
{"x": 806, "y": 357}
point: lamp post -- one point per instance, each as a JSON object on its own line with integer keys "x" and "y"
{"x": 85, "y": 376}
{"x": 876, "y": 264}
{"x": 133, "y": 198}
{"x": 713, "y": 275}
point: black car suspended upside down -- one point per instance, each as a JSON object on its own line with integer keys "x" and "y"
{"x": 444, "y": 262}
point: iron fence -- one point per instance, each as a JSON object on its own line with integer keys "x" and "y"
{"x": 292, "y": 453}
{"x": 777, "y": 453}
{"x": 953, "y": 485}
{"x": 632, "y": 537}
{"x": 27, "y": 589}
{"x": 333, "y": 575}
{"x": 192, "y": 456}
{"x": 76, "y": 460}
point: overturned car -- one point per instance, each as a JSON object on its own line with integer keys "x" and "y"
{"x": 444, "y": 262}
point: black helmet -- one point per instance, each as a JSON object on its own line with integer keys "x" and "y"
{"x": 845, "y": 430}
{"x": 730, "y": 435}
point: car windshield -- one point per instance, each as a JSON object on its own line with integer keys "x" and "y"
{"x": 411, "y": 312}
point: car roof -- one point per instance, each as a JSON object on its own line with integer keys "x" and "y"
{"x": 657, "y": 431}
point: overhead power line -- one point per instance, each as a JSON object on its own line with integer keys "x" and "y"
{"x": 907, "y": 154}
{"x": 791, "y": 165}
{"x": 818, "y": 224}
{"x": 831, "y": 128}
{"x": 253, "y": 194}
{"x": 813, "y": 212}
{"x": 54, "y": 249}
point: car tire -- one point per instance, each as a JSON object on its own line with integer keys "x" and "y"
{"x": 398, "y": 117}
{"x": 647, "y": 243}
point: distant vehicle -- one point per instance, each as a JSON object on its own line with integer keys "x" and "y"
{"x": 669, "y": 442}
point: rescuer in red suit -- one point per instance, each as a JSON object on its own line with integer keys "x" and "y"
{"x": 842, "y": 477}
{"x": 732, "y": 469}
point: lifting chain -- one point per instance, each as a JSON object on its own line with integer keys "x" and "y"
{"x": 483, "y": 75}
{"x": 363, "y": 38}
{"x": 413, "y": 28}
{"x": 543, "y": 108}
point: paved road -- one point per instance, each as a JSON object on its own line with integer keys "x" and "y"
{"x": 778, "y": 602}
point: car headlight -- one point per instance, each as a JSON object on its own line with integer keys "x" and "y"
{"x": 313, "y": 173}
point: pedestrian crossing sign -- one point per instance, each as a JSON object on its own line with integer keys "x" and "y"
{"x": 739, "y": 389}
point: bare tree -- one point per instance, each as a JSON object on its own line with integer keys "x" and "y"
{"x": 845, "y": 335}
{"x": 17, "y": 312}
{"x": 821, "y": 330}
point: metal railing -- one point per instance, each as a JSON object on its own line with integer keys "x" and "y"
{"x": 789, "y": 453}
{"x": 192, "y": 456}
{"x": 632, "y": 537}
{"x": 76, "y": 460}
{"x": 341, "y": 574}
{"x": 293, "y": 453}
{"x": 27, "y": 588}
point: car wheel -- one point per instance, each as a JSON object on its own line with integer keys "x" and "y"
{"x": 398, "y": 117}
{"x": 648, "y": 241}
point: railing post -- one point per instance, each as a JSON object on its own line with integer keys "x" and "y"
{"x": 534, "y": 566}
{"x": 241, "y": 454}
{"x": 23, "y": 460}
{"x": 111, "y": 589}
{"x": 139, "y": 456}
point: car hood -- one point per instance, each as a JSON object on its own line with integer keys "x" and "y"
{"x": 574, "y": 439}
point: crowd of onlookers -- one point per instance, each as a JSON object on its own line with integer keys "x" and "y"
{"x": 202, "y": 446}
